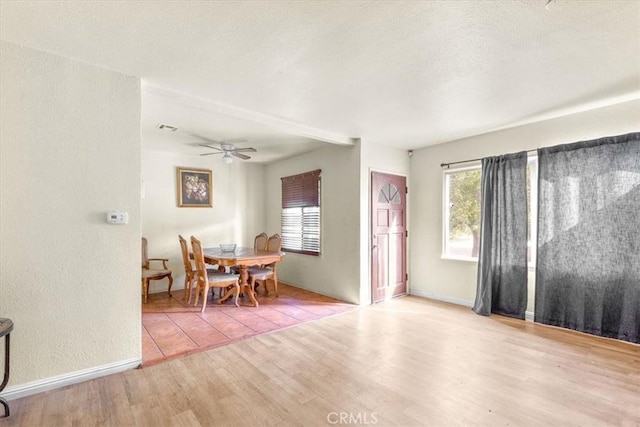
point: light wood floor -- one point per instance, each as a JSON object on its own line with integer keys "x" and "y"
{"x": 405, "y": 362}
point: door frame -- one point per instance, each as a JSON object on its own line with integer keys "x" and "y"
{"x": 370, "y": 229}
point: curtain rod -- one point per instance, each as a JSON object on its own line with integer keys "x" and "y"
{"x": 473, "y": 160}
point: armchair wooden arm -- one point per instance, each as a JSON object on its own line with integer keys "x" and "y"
{"x": 149, "y": 274}
{"x": 164, "y": 261}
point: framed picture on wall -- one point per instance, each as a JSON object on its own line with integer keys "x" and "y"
{"x": 194, "y": 188}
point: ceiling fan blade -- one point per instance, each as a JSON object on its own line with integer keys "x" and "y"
{"x": 202, "y": 138}
{"x": 209, "y": 146}
{"x": 240, "y": 156}
{"x": 244, "y": 150}
{"x": 208, "y": 154}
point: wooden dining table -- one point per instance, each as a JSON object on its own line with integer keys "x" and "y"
{"x": 243, "y": 258}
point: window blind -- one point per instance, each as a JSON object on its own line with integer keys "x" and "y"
{"x": 300, "y": 221}
{"x": 301, "y": 190}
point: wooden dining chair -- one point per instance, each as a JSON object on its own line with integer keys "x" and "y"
{"x": 270, "y": 271}
{"x": 206, "y": 279}
{"x": 189, "y": 270}
{"x": 149, "y": 273}
{"x": 259, "y": 244}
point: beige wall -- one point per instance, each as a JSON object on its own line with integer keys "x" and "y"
{"x": 336, "y": 272}
{"x": 236, "y": 216}
{"x": 69, "y": 152}
{"x": 455, "y": 281}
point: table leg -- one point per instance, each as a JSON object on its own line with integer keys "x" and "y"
{"x": 232, "y": 291}
{"x": 244, "y": 284}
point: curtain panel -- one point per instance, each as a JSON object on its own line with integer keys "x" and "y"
{"x": 502, "y": 262}
{"x": 588, "y": 261}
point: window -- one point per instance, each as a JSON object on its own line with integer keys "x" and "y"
{"x": 462, "y": 194}
{"x": 300, "y": 222}
{"x": 462, "y": 213}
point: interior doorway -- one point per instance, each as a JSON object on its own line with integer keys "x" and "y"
{"x": 388, "y": 236}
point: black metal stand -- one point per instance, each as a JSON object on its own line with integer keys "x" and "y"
{"x": 6, "y": 326}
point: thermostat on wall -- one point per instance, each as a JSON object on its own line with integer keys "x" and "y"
{"x": 116, "y": 217}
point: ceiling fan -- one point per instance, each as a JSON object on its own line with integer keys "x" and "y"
{"x": 227, "y": 149}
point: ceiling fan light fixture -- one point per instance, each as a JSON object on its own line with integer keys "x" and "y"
{"x": 227, "y": 159}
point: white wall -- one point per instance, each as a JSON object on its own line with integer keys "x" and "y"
{"x": 236, "y": 216}
{"x": 336, "y": 272}
{"x": 455, "y": 281}
{"x": 69, "y": 152}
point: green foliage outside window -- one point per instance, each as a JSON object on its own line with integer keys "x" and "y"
{"x": 464, "y": 206}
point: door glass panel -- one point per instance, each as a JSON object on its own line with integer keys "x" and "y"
{"x": 389, "y": 194}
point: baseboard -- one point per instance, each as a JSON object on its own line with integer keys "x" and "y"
{"x": 527, "y": 316}
{"x": 442, "y": 298}
{"x": 40, "y": 386}
{"x": 315, "y": 291}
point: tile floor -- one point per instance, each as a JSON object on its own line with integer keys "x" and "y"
{"x": 172, "y": 329}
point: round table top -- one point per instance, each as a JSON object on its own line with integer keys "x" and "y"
{"x": 6, "y": 326}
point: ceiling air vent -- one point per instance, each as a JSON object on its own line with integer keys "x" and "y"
{"x": 166, "y": 127}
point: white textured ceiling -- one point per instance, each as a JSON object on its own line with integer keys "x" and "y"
{"x": 405, "y": 74}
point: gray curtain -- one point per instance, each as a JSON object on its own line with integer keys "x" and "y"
{"x": 588, "y": 265}
{"x": 502, "y": 262}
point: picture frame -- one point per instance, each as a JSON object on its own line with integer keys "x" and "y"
{"x": 195, "y": 187}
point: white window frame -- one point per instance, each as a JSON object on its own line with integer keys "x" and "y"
{"x": 445, "y": 211}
